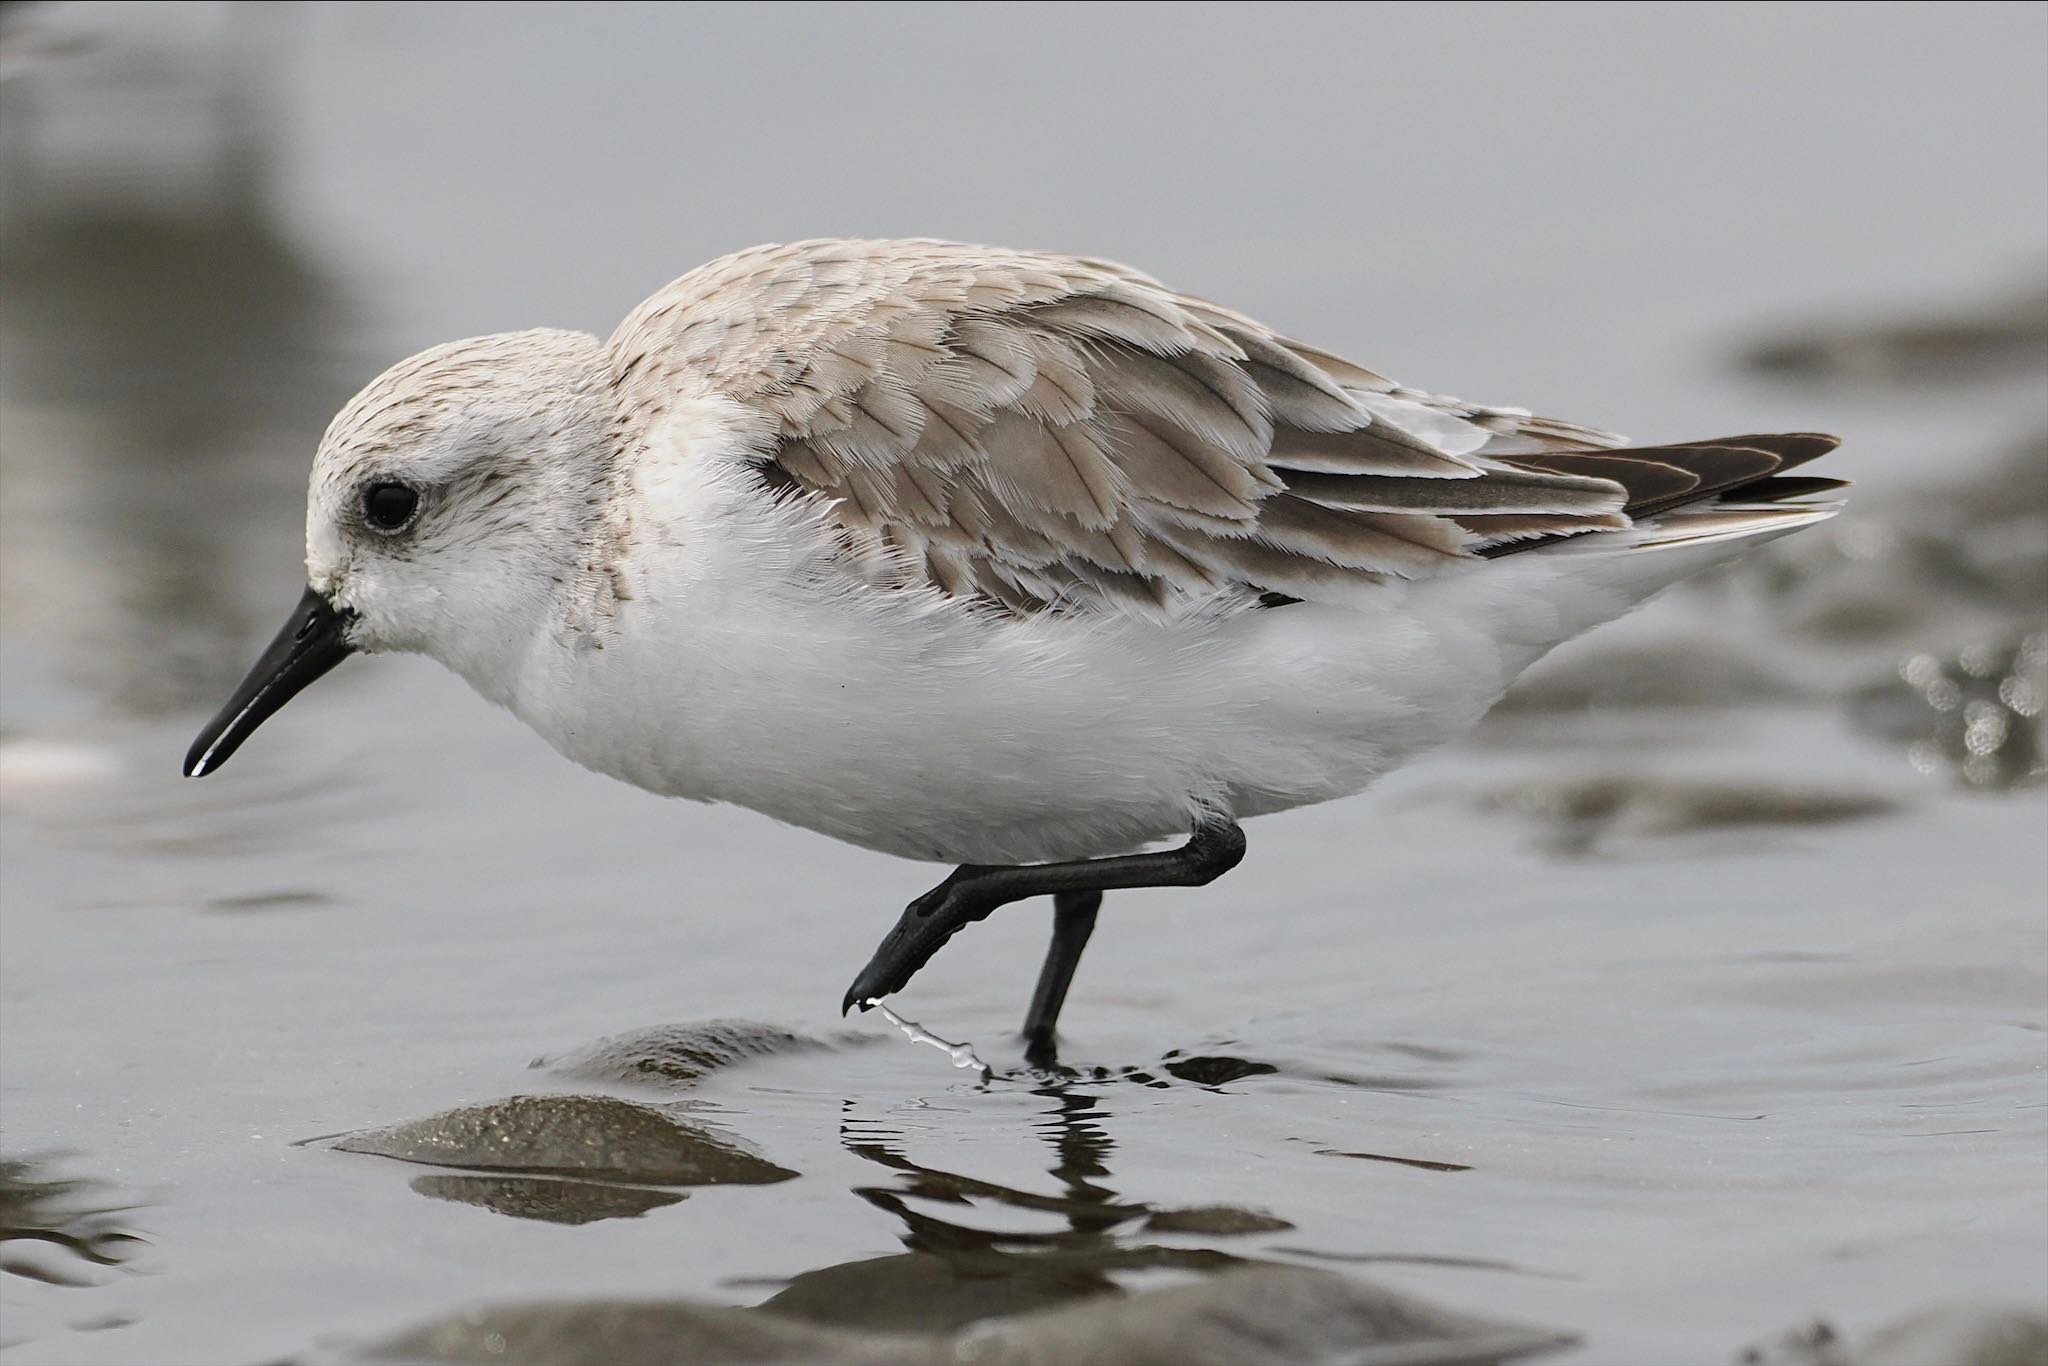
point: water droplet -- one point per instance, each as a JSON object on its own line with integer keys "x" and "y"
{"x": 1920, "y": 670}
{"x": 962, "y": 1054}
{"x": 1979, "y": 661}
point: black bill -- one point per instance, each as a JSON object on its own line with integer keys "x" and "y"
{"x": 310, "y": 644}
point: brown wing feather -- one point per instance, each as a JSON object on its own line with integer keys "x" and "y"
{"x": 1049, "y": 431}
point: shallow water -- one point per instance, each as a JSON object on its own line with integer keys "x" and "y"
{"x": 1700, "y": 993}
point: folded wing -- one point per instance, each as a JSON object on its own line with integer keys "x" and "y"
{"x": 1047, "y": 432}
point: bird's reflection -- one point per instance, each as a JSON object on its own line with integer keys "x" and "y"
{"x": 1066, "y": 1245}
{"x": 1062, "y": 1270}
{"x": 78, "y": 1233}
{"x": 993, "y": 1271}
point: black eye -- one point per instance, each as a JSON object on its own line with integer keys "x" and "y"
{"x": 389, "y": 506}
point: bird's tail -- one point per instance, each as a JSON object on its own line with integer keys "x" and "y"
{"x": 1690, "y": 507}
{"x": 1730, "y": 486}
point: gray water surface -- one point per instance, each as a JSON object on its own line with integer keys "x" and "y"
{"x": 1702, "y": 992}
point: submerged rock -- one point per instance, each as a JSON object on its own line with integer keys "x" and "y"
{"x": 1578, "y": 815}
{"x": 591, "y": 1136}
{"x": 2000, "y": 339}
{"x": 1951, "y": 1334}
{"x": 1258, "y": 1313}
{"x": 1216, "y": 1221}
{"x": 930, "y": 1293}
{"x": 1268, "y": 1314}
{"x": 678, "y": 1055}
{"x": 1965, "y": 1334}
{"x": 1216, "y": 1070}
{"x": 629, "y": 1333}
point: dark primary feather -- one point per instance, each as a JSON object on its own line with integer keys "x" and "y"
{"x": 1662, "y": 479}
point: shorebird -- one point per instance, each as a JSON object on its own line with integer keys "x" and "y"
{"x": 1010, "y": 559}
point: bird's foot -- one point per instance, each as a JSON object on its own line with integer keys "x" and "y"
{"x": 925, "y": 926}
{"x": 1042, "y": 1053}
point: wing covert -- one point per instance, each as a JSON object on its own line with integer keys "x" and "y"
{"x": 1052, "y": 432}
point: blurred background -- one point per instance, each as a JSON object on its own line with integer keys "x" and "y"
{"x": 1752, "y": 852}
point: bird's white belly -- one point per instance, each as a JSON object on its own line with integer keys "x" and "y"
{"x": 934, "y": 732}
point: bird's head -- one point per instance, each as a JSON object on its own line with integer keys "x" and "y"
{"x": 449, "y": 502}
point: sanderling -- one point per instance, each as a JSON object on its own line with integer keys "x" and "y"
{"x": 1008, "y": 559}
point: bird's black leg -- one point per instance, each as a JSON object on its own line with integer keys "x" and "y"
{"x": 975, "y": 890}
{"x": 1073, "y": 920}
